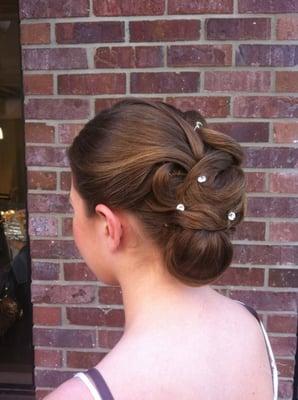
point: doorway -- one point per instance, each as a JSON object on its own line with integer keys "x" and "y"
{"x": 16, "y": 349}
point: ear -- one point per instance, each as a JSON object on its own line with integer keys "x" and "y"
{"x": 112, "y": 226}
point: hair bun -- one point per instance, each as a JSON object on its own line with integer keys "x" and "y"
{"x": 146, "y": 157}
{"x": 198, "y": 257}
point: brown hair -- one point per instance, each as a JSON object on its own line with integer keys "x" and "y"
{"x": 145, "y": 156}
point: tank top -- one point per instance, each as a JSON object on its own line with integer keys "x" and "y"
{"x": 100, "y": 390}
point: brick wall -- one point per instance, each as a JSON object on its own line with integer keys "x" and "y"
{"x": 232, "y": 60}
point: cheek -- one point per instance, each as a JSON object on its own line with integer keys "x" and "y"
{"x": 92, "y": 253}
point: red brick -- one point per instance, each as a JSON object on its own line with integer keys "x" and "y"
{"x": 55, "y": 58}
{"x": 283, "y": 346}
{"x": 164, "y": 30}
{"x": 35, "y": 33}
{"x": 265, "y": 107}
{"x": 266, "y": 55}
{"x": 38, "y": 84}
{"x": 241, "y": 276}
{"x": 90, "y": 32}
{"x": 238, "y": 28}
{"x": 58, "y": 109}
{"x": 199, "y": 55}
{"x": 115, "y": 57}
{"x": 285, "y": 368}
{"x": 284, "y": 231}
{"x": 270, "y": 157}
{"x": 43, "y": 226}
{"x": 54, "y": 8}
{"x": 243, "y": 131}
{"x": 92, "y": 84}
{"x": 53, "y": 294}
{"x": 200, "y": 7}
{"x": 129, "y": 57}
{"x": 272, "y": 207}
{"x": 283, "y": 277}
{"x": 65, "y": 180}
{"x": 283, "y": 182}
{"x": 47, "y": 358}
{"x": 164, "y": 82}
{"x": 266, "y": 300}
{"x": 287, "y": 81}
{"x": 83, "y": 359}
{"x": 101, "y": 104}
{"x": 67, "y": 227}
{"x": 51, "y": 378}
{"x": 239, "y": 81}
{"x": 83, "y": 338}
{"x": 118, "y": 7}
{"x": 43, "y": 180}
{"x": 46, "y": 315}
{"x": 95, "y": 316}
{"x": 45, "y": 270}
{"x": 46, "y": 156}
{"x": 265, "y": 254}
{"x": 39, "y": 133}
{"x": 287, "y": 27}
{"x": 207, "y": 106}
{"x": 282, "y": 323}
{"x": 110, "y": 295}
{"x": 250, "y": 230}
{"x": 78, "y": 272}
{"x": 67, "y": 132}
{"x": 49, "y": 249}
{"x": 255, "y": 181}
{"x": 285, "y": 132}
{"x": 147, "y": 56}
{"x": 285, "y": 390}
{"x": 108, "y": 338}
{"x": 267, "y": 6}
{"x": 48, "y": 203}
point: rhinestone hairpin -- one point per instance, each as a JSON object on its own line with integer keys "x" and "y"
{"x": 202, "y": 179}
{"x": 198, "y": 125}
{"x": 231, "y": 215}
{"x": 180, "y": 207}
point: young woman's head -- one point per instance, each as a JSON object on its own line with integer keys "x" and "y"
{"x": 143, "y": 158}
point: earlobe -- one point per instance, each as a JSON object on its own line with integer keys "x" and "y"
{"x": 113, "y": 228}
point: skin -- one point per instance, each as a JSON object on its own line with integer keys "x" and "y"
{"x": 179, "y": 342}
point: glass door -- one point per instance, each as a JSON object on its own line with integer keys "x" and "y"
{"x": 16, "y": 350}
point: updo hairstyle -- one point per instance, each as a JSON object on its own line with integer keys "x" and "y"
{"x": 145, "y": 157}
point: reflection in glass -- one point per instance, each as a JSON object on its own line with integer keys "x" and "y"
{"x": 16, "y": 351}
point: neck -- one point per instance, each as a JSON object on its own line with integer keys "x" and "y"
{"x": 153, "y": 298}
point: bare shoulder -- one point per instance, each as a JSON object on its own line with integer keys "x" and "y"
{"x": 230, "y": 341}
{"x": 74, "y": 388}
{"x": 249, "y": 351}
{"x": 243, "y": 327}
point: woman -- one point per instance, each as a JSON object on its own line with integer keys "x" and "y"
{"x": 156, "y": 196}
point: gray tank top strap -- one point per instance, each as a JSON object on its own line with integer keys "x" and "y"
{"x": 269, "y": 350}
{"x": 100, "y": 384}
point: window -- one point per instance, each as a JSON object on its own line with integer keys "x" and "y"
{"x": 16, "y": 361}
